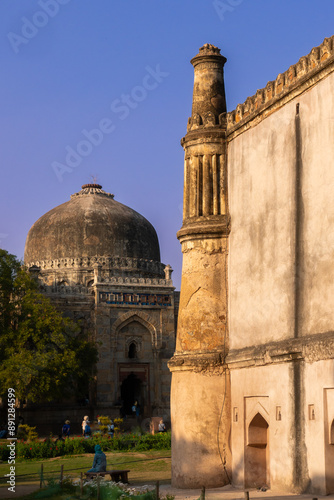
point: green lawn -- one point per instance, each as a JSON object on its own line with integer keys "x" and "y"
{"x": 145, "y": 467}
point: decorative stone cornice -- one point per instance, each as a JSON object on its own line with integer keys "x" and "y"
{"x": 126, "y": 264}
{"x": 92, "y": 189}
{"x": 322, "y": 348}
{"x": 67, "y": 290}
{"x": 139, "y": 282}
{"x": 205, "y": 126}
{"x": 208, "y": 363}
{"x": 310, "y": 349}
{"x": 298, "y": 78}
{"x": 213, "y": 226}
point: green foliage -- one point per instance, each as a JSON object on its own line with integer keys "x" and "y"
{"x": 119, "y": 425}
{"x": 108, "y": 491}
{"x": 76, "y": 446}
{"x": 43, "y": 354}
{"x": 104, "y": 422}
{"x": 27, "y": 433}
{"x": 55, "y": 489}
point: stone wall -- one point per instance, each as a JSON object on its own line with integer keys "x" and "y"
{"x": 281, "y": 275}
{"x": 255, "y": 332}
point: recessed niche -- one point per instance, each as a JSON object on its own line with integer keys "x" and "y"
{"x": 311, "y": 412}
{"x": 278, "y": 413}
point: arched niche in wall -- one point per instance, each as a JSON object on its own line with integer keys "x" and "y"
{"x": 258, "y": 432}
{"x": 257, "y": 453}
{"x": 140, "y": 317}
{"x": 132, "y": 350}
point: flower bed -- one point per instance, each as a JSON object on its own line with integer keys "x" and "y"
{"x": 77, "y": 445}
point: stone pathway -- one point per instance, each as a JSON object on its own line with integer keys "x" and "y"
{"x": 20, "y": 491}
{"x": 230, "y": 493}
{"x": 224, "y": 493}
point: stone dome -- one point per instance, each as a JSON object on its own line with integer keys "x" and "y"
{"x": 92, "y": 225}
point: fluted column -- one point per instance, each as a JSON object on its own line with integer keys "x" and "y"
{"x": 215, "y": 186}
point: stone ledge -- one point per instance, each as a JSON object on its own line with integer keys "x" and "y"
{"x": 208, "y": 363}
{"x": 201, "y": 133}
{"x": 205, "y": 227}
{"x": 310, "y": 349}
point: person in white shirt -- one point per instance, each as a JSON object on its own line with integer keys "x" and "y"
{"x": 162, "y": 427}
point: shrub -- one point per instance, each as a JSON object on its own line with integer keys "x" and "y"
{"x": 4, "y": 452}
{"x": 118, "y": 422}
{"x": 26, "y": 433}
{"x": 104, "y": 422}
{"x": 76, "y": 446}
{"x": 108, "y": 491}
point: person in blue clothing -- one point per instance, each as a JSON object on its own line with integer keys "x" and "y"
{"x": 66, "y": 429}
{"x": 100, "y": 460}
{"x": 87, "y": 429}
{"x": 111, "y": 429}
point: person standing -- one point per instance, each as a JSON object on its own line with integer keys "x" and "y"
{"x": 111, "y": 429}
{"x": 83, "y": 425}
{"x": 162, "y": 427}
{"x": 66, "y": 429}
{"x": 87, "y": 430}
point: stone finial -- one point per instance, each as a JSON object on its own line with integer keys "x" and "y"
{"x": 168, "y": 272}
{"x": 208, "y": 52}
{"x": 208, "y": 48}
{"x": 91, "y": 185}
{"x": 92, "y": 188}
{"x": 209, "y": 91}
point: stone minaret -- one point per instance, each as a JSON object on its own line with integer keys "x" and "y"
{"x": 200, "y": 394}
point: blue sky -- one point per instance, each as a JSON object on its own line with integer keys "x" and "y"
{"x": 69, "y": 65}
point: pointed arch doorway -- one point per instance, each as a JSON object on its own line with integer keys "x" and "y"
{"x": 256, "y": 453}
{"x": 130, "y": 392}
{"x": 134, "y": 386}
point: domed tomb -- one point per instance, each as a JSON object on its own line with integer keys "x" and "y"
{"x": 93, "y": 228}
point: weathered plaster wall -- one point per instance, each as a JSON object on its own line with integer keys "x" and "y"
{"x": 319, "y": 397}
{"x": 281, "y": 286}
{"x": 203, "y": 406}
{"x": 277, "y": 222}
{"x": 261, "y": 165}
{"x": 317, "y": 131}
{"x": 200, "y": 328}
{"x": 257, "y": 390}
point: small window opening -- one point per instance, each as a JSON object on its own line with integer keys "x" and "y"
{"x": 132, "y": 350}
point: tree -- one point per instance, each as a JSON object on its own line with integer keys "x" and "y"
{"x": 43, "y": 355}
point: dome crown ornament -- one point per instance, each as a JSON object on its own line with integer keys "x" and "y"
{"x": 92, "y": 188}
